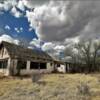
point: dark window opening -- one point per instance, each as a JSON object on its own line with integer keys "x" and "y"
{"x": 21, "y": 64}
{"x": 34, "y": 65}
{"x": 0, "y": 65}
{"x": 42, "y": 65}
{"x": 51, "y": 64}
{"x": 58, "y": 65}
{"x": 3, "y": 64}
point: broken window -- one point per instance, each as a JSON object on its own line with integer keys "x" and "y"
{"x": 34, "y": 65}
{"x": 21, "y": 64}
{"x": 0, "y": 64}
{"x": 3, "y": 64}
{"x": 42, "y": 65}
{"x": 58, "y": 65}
{"x": 51, "y": 64}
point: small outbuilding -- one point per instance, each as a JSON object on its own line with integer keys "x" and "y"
{"x": 15, "y": 59}
{"x": 60, "y": 66}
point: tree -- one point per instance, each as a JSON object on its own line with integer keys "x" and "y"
{"x": 72, "y": 57}
{"x": 96, "y": 46}
{"x": 87, "y": 52}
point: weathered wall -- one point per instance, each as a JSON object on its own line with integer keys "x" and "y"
{"x": 50, "y": 67}
{"x": 4, "y": 53}
{"x": 4, "y": 71}
{"x": 13, "y": 65}
{"x": 29, "y": 71}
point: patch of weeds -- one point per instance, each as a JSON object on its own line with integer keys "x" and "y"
{"x": 36, "y": 77}
{"x": 83, "y": 89}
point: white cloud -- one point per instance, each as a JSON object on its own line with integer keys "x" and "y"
{"x": 8, "y": 38}
{"x": 54, "y": 49}
{"x": 18, "y": 30}
{"x": 60, "y": 47}
{"x": 70, "y": 41}
{"x": 21, "y": 5}
{"x": 35, "y": 42}
{"x": 7, "y": 27}
{"x": 15, "y": 12}
{"x": 8, "y": 4}
{"x": 1, "y": 6}
{"x": 21, "y": 29}
{"x": 30, "y": 29}
{"x": 48, "y": 46}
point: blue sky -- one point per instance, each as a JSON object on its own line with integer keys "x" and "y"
{"x": 9, "y": 25}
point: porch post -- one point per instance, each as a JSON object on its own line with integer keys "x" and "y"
{"x": 8, "y": 66}
{"x": 28, "y": 65}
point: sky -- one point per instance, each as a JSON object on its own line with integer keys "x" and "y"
{"x": 52, "y": 25}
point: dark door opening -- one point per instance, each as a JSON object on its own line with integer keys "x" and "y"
{"x": 21, "y": 64}
{"x": 34, "y": 65}
{"x": 3, "y": 64}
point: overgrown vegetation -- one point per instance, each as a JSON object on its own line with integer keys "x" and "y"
{"x": 85, "y": 56}
{"x": 36, "y": 77}
{"x": 83, "y": 89}
{"x": 53, "y": 87}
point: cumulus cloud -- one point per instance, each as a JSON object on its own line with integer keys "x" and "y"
{"x": 8, "y": 38}
{"x": 54, "y": 49}
{"x": 48, "y": 46}
{"x": 15, "y": 12}
{"x": 21, "y": 5}
{"x": 7, "y": 4}
{"x": 58, "y": 20}
{"x": 18, "y": 30}
{"x": 63, "y": 23}
{"x": 7, "y": 27}
{"x": 35, "y": 42}
{"x": 13, "y": 5}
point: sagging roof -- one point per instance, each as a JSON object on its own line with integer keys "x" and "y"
{"x": 16, "y": 51}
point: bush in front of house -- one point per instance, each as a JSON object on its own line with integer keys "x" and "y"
{"x": 83, "y": 89}
{"x": 36, "y": 77}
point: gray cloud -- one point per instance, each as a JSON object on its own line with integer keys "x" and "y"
{"x": 63, "y": 23}
{"x": 59, "y": 20}
{"x": 37, "y": 2}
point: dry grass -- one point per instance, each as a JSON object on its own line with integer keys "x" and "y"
{"x": 52, "y": 87}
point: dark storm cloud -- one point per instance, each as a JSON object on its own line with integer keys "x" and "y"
{"x": 59, "y": 20}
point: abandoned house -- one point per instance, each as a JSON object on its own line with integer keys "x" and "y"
{"x": 16, "y": 59}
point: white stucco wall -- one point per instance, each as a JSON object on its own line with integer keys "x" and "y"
{"x": 62, "y": 68}
{"x": 4, "y": 71}
{"x": 50, "y": 67}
